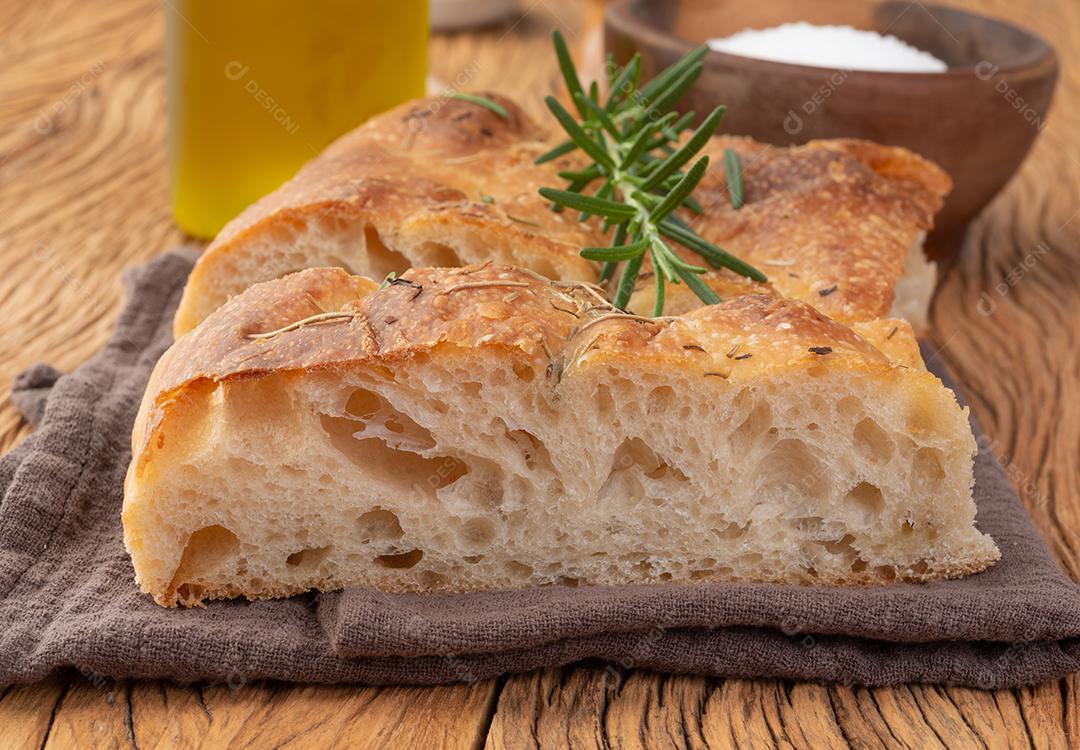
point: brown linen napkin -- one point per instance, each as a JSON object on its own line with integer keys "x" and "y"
{"x": 67, "y": 597}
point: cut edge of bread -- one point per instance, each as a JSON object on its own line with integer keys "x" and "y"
{"x": 364, "y": 244}
{"x": 915, "y": 288}
{"x": 643, "y": 454}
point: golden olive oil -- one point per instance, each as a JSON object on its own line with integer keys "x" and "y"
{"x": 258, "y": 87}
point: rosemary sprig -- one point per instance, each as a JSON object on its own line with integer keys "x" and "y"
{"x": 637, "y": 177}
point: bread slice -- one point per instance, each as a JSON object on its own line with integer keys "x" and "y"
{"x": 483, "y": 428}
{"x": 444, "y": 182}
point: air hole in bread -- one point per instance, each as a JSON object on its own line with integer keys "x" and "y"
{"x": 400, "y": 561}
{"x": 432, "y": 580}
{"x": 661, "y": 399}
{"x": 205, "y": 552}
{"x": 919, "y": 569}
{"x": 604, "y": 401}
{"x": 190, "y": 593}
{"x": 754, "y": 427}
{"x": 665, "y": 470}
{"x": 486, "y": 488}
{"x": 868, "y": 497}
{"x": 632, "y": 460}
{"x": 732, "y": 531}
{"x": 523, "y": 371}
{"x": 928, "y": 465}
{"x": 791, "y": 469}
{"x": 380, "y": 420}
{"x": 872, "y": 441}
{"x": 478, "y": 531}
{"x": 808, "y": 525}
{"x": 437, "y": 255}
{"x": 886, "y": 572}
{"x": 308, "y": 558}
{"x": 519, "y": 569}
{"x": 364, "y": 404}
{"x": 379, "y": 525}
{"x": 381, "y": 259}
{"x": 848, "y": 406}
{"x": 293, "y": 472}
{"x": 843, "y": 546}
{"x": 389, "y": 464}
{"x": 533, "y": 451}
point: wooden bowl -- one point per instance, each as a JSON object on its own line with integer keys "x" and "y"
{"x": 977, "y": 120}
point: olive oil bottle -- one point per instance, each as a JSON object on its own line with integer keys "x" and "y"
{"x": 258, "y": 87}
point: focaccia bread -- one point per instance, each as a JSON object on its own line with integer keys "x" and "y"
{"x": 483, "y": 428}
{"x": 444, "y": 182}
{"x": 837, "y": 223}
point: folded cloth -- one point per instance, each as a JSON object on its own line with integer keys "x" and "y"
{"x": 68, "y": 599}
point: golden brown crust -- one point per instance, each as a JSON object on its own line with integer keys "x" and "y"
{"x": 828, "y": 214}
{"x": 830, "y": 222}
{"x": 469, "y": 307}
{"x": 894, "y": 338}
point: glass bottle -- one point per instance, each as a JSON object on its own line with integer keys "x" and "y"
{"x": 258, "y": 87}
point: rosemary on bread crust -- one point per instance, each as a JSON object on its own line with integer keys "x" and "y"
{"x": 633, "y": 139}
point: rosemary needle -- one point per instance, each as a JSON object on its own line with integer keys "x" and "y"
{"x": 483, "y": 101}
{"x": 733, "y": 174}
{"x": 635, "y": 180}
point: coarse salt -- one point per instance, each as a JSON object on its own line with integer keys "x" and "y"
{"x": 829, "y": 47}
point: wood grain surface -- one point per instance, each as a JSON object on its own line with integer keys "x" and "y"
{"x": 83, "y": 194}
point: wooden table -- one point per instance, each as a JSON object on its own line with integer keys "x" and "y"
{"x": 83, "y": 194}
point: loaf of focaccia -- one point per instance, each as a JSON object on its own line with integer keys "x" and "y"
{"x": 444, "y": 182}
{"x": 483, "y": 428}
